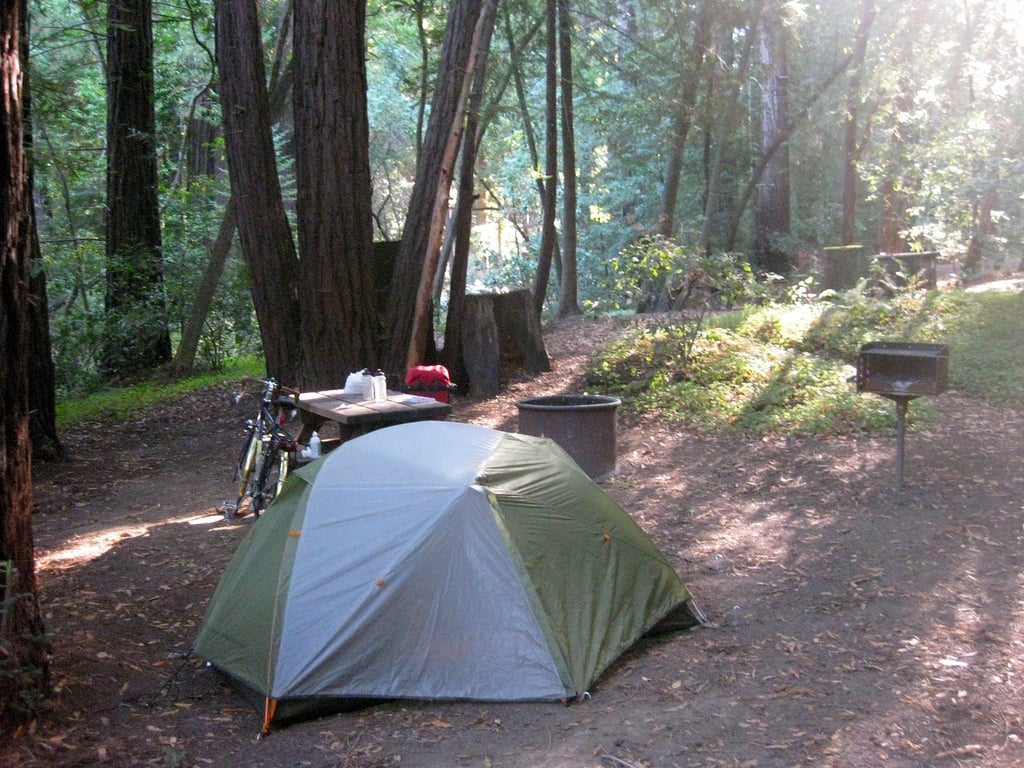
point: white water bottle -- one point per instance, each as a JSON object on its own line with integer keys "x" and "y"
{"x": 314, "y": 446}
{"x": 380, "y": 387}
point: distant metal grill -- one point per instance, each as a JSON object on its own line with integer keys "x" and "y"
{"x": 902, "y": 371}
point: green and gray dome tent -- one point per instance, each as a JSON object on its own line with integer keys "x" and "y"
{"x": 437, "y": 560}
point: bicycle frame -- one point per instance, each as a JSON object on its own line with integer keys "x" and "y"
{"x": 263, "y": 463}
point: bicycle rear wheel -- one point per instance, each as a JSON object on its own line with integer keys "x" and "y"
{"x": 271, "y": 476}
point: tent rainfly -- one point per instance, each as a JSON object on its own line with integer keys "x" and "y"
{"x": 436, "y": 560}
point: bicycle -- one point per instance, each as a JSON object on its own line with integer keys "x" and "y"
{"x": 263, "y": 462}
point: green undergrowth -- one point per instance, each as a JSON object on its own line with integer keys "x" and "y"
{"x": 120, "y": 403}
{"x": 789, "y": 368}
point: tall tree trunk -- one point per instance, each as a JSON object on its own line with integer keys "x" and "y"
{"x": 851, "y": 149}
{"x": 220, "y": 248}
{"x": 568, "y": 298}
{"x": 334, "y": 207}
{"x": 724, "y": 126}
{"x": 433, "y": 177}
{"x": 772, "y": 207}
{"x": 462, "y": 221}
{"x": 682, "y": 120}
{"x": 263, "y": 229}
{"x": 136, "y": 335}
{"x": 46, "y": 444}
{"x": 549, "y": 236}
{"x": 524, "y": 111}
{"x": 25, "y": 675}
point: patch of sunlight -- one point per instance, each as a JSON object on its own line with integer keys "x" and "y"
{"x": 85, "y": 547}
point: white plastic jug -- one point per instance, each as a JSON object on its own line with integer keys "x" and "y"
{"x": 354, "y": 383}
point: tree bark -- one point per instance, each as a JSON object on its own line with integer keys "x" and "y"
{"x": 725, "y": 125}
{"x": 46, "y": 444}
{"x": 568, "y": 297}
{"x": 192, "y": 332}
{"x": 772, "y": 208}
{"x": 334, "y": 208}
{"x": 549, "y": 236}
{"x": 682, "y": 119}
{"x": 263, "y": 229}
{"x": 137, "y": 338}
{"x": 433, "y": 175}
{"x": 25, "y": 676}
{"x": 462, "y": 220}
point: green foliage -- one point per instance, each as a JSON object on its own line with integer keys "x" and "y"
{"x": 115, "y": 403}
{"x": 658, "y": 272}
{"x": 788, "y": 368}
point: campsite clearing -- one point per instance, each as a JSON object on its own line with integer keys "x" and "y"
{"x": 856, "y": 626}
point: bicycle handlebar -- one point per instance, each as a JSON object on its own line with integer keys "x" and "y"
{"x": 270, "y": 386}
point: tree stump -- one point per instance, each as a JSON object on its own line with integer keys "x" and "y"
{"x": 500, "y": 333}
{"x": 843, "y": 266}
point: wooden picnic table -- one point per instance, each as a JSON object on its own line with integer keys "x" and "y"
{"x": 355, "y": 416}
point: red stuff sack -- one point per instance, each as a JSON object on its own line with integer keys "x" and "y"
{"x": 428, "y": 380}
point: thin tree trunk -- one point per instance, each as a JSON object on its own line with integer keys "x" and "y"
{"x": 184, "y": 360}
{"x": 548, "y": 234}
{"x": 433, "y": 173}
{"x": 463, "y": 218}
{"x": 725, "y": 125}
{"x": 46, "y": 444}
{"x": 568, "y": 301}
{"x": 422, "y": 315}
{"x": 524, "y": 111}
{"x": 851, "y": 151}
{"x": 682, "y": 119}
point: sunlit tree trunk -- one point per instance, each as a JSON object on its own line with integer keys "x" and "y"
{"x": 430, "y": 190}
{"x": 548, "y": 234}
{"x": 851, "y": 145}
{"x": 772, "y": 206}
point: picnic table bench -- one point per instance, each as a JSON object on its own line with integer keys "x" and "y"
{"x": 355, "y": 416}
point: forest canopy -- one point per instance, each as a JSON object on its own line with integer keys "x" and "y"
{"x": 758, "y": 128}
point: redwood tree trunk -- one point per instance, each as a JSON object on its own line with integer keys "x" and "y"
{"x": 338, "y": 328}
{"x": 432, "y": 175}
{"x": 682, "y": 119}
{"x": 136, "y": 336}
{"x": 263, "y": 229}
{"x": 548, "y": 235}
{"x": 851, "y": 150}
{"x": 772, "y": 207}
{"x": 568, "y": 299}
{"x": 25, "y": 668}
{"x": 46, "y": 444}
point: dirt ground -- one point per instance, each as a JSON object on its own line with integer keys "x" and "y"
{"x": 853, "y": 625}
